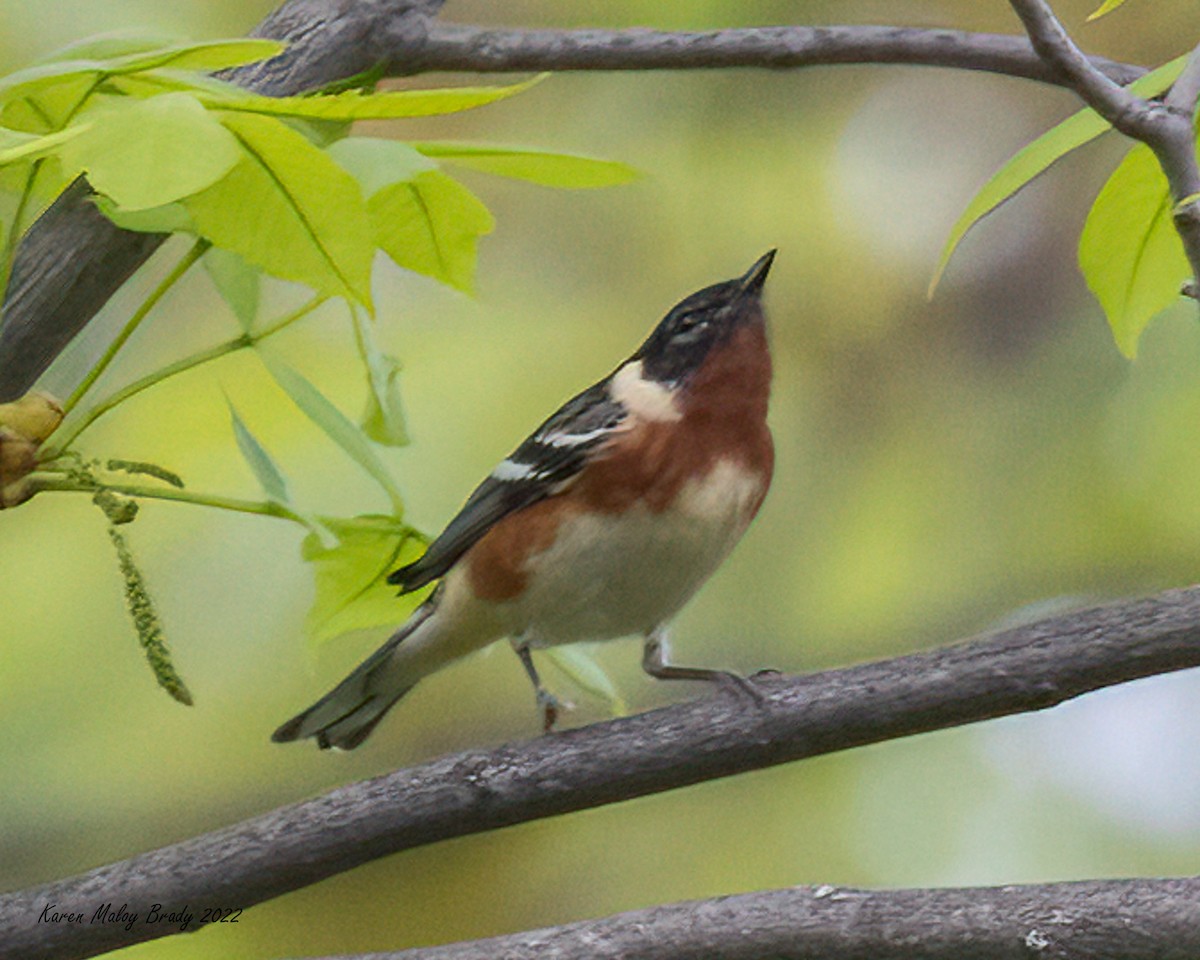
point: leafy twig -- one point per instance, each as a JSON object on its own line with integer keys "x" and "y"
{"x": 1166, "y": 128}
{"x": 46, "y": 482}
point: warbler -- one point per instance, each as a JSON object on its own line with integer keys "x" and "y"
{"x": 603, "y": 523}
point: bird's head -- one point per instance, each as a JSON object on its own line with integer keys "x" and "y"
{"x": 696, "y": 324}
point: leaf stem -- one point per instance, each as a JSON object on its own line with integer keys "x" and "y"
{"x": 14, "y": 232}
{"x": 50, "y": 480}
{"x": 195, "y": 253}
{"x": 72, "y": 432}
{"x": 45, "y": 482}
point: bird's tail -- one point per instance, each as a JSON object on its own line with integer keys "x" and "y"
{"x": 345, "y": 716}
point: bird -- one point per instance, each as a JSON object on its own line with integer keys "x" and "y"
{"x": 602, "y": 524}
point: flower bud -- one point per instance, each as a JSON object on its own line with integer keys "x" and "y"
{"x": 35, "y": 416}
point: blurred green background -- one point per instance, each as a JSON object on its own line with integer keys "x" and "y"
{"x": 942, "y": 466}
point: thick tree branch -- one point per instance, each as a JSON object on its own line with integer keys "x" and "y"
{"x": 1055, "y": 921}
{"x": 1026, "y": 668}
{"x": 73, "y": 260}
{"x": 1166, "y": 128}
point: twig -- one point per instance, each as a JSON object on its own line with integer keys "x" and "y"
{"x": 1027, "y": 668}
{"x": 1178, "y": 160}
{"x": 1184, "y": 92}
{"x": 1118, "y": 106}
{"x": 52, "y": 482}
{"x": 1166, "y": 128}
{"x": 1054, "y": 921}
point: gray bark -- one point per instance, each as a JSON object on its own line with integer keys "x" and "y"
{"x": 1093, "y": 920}
{"x": 1026, "y": 668}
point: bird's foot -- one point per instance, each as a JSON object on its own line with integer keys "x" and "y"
{"x": 742, "y": 685}
{"x": 551, "y": 708}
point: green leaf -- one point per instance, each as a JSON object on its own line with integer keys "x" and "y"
{"x": 47, "y": 182}
{"x": 377, "y": 163}
{"x": 170, "y": 218}
{"x": 146, "y": 153}
{"x": 383, "y": 420}
{"x": 431, "y": 226}
{"x": 266, "y": 471}
{"x": 352, "y": 592}
{"x": 128, "y": 51}
{"x": 334, "y": 423}
{"x": 205, "y": 55}
{"x": 107, "y": 46}
{"x": 290, "y": 210}
{"x": 50, "y": 109}
{"x": 45, "y": 97}
{"x": 16, "y": 146}
{"x": 1036, "y": 157}
{"x": 363, "y": 80}
{"x": 33, "y": 80}
{"x": 362, "y": 105}
{"x": 271, "y": 478}
{"x": 151, "y": 83}
{"x": 1129, "y": 252}
{"x": 1108, "y": 6}
{"x": 587, "y": 674}
{"x": 238, "y": 283}
{"x": 550, "y": 169}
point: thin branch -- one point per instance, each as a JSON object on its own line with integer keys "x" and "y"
{"x": 52, "y": 482}
{"x": 1054, "y": 921}
{"x": 74, "y": 259}
{"x": 478, "y": 50}
{"x": 1177, "y": 157}
{"x": 1027, "y": 668}
{"x": 1118, "y": 106}
{"x": 1186, "y": 89}
{"x": 1166, "y": 128}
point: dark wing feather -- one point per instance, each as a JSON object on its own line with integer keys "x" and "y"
{"x": 541, "y": 466}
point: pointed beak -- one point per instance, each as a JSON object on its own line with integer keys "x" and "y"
{"x": 752, "y": 282}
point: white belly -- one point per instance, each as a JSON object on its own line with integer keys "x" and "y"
{"x": 614, "y": 575}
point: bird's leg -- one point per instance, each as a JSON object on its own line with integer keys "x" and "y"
{"x": 546, "y": 701}
{"x": 654, "y": 662}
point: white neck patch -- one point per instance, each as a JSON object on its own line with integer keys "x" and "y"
{"x": 645, "y": 399}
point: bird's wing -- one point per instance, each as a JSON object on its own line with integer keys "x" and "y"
{"x": 543, "y": 465}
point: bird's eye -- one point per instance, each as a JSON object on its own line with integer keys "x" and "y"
{"x": 691, "y": 321}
